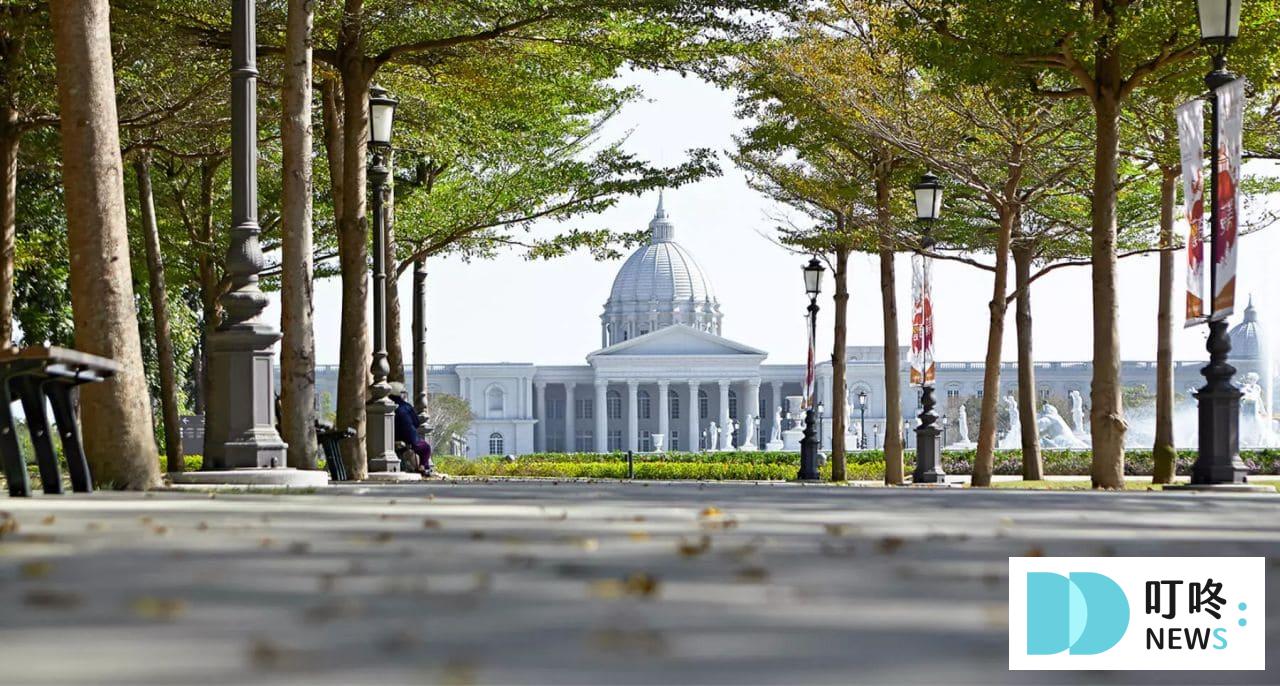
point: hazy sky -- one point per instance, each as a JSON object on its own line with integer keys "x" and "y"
{"x": 512, "y": 310}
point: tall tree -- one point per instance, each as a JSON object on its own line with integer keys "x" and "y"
{"x": 116, "y": 417}
{"x": 297, "y": 354}
{"x": 1102, "y": 51}
{"x": 159, "y": 298}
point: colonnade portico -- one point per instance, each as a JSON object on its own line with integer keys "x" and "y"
{"x": 580, "y": 419}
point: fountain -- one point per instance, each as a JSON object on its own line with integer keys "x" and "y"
{"x": 795, "y": 420}
{"x": 1054, "y": 432}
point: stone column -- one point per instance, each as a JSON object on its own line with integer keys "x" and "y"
{"x": 664, "y": 414}
{"x": 602, "y": 416}
{"x": 633, "y": 416}
{"x": 826, "y": 396}
{"x": 540, "y": 416}
{"x": 695, "y": 424}
{"x": 775, "y": 406}
{"x": 726, "y": 429}
{"x": 570, "y": 414}
{"x": 753, "y": 410}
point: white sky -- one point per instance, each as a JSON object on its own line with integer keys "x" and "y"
{"x": 511, "y": 310}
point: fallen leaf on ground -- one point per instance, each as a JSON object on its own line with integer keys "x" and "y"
{"x": 328, "y": 612}
{"x": 431, "y": 524}
{"x": 693, "y": 549}
{"x": 639, "y": 584}
{"x": 158, "y": 609}
{"x": 1034, "y": 551}
{"x": 588, "y": 544}
{"x": 836, "y": 529}
{"x": 161, "y": 530}
{"x": 53, "y": 599}
{"x": 299, "y": 548}
{"x": 47, "y": 521}
{"x": 890, "y": 544}
{"x": 753, "y": 574}
{"x": 8, "y": 525}
{"x": 711, "y": 511}
{"x": 382, "y": 537}
{"x": 639, "y": 536}
{"x": 720, "y": 524}
{"x": 36, "y": 569}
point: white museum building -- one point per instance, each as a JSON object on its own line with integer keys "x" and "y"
{"x": 665, "y": 378}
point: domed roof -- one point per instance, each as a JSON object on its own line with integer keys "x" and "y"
{"x": 662, "y": 271}
{"x": 1246, "y": 337}
{"x": 660, "y": 285}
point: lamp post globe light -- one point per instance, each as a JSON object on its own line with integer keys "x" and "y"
{"x": 1218, "y": 461}
{"x": 929, "y": 470}
{"x": 380, "y": 409}
{"x": 862, "y": 420}
{"x": 809, "y": 443}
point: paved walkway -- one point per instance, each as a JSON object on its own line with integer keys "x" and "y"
{"x": 541, "y": 583}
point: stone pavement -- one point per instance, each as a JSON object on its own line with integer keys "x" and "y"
{"x": 569, "y": 583}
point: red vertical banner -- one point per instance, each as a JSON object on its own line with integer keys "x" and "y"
{"x": 923, "y": 369}
{"x": 1190, "y": 117}
{"x": 1226, "y": 228}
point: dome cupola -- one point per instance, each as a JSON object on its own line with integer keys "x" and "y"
{"x": 659, "y": 285}
{"x": 1246, "y": 337}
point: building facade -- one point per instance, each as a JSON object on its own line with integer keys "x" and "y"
{"x": 664, "y": 369}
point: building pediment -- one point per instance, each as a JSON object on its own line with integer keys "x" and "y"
{"x": 677, "y": 340}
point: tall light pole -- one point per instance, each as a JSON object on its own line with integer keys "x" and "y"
{"x": 1218, "y": 461}
{"x": 929, "y": 470}
{"x": 862, "y": 421}
{"x": 380, "y": 410}
{"x": 809, "y": 444}
{"x": 241, "y": 431}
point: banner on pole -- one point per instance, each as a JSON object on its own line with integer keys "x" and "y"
{"x": 1190, "y": 117}
{"x": 923, "y": 370}
{"x": 1227, "y": 213}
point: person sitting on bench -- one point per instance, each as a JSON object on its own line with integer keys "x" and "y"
{"x": 407, "y": 430}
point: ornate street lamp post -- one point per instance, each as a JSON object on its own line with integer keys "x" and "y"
{"x": 929, "y": 470}
{"x": 862, "y": 420}
{"x": 380, "y": 410}
{"x": 809, "y": 444}
{"x": 1218, "y": 461}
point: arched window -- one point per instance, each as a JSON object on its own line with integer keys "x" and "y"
{"x": 733, "y": 405}
{"x": 613, "y": 402}
{"x": 497, "y": 446}
{"x": 645, "y": 405}
{"x": 495, "y": 401}
{"x": 704, "y": 405}
{"x": 673, "y": 404}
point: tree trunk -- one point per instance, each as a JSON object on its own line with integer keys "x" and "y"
{"x": 115, "y": 415}
{"x": 9, "y": 140}
{"x": 298, "y": 348}
{"x": 421, "y": 399}
{"x": 839, "y": 396}
{"x": 353, "y": 253}
{"x": 1032, "y": 461}
{"x": 160, "y": 315}
{"x": 1107, "y": 412}
{"x": 1164, "y": 452}
{"x": 395, "y": 348}
{"x": 331, "y": 112}
{"x": 210, "y": 290}
{"x": 894, "y": 471}
{"x": 984, "y": 461}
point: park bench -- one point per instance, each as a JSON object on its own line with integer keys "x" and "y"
{"x": 330, "y": 440}
{"x": 30, "y": 376}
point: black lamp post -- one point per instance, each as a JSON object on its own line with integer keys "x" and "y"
{"x": 862, "y": 421}
{"x": 928, "y": 192}
{"x": 1218, "y": 461}
{"x": 809, "y": 444}
{"x": 380, "y": 410}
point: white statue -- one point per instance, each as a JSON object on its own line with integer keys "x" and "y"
{"x": 1054, "y": 432}
{"x": 713, "y": 436}
{"x": 775, "y": 431}
{"x": 1011, "y": 403}
{"x": 730, "y": 432}
{"x": 1012, "y": 438}
{"x": 1077, "y": 413}
{"x": 658, "y": 440}
{"x": 962, "y": 425}
{"x": 749, "y": 436}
